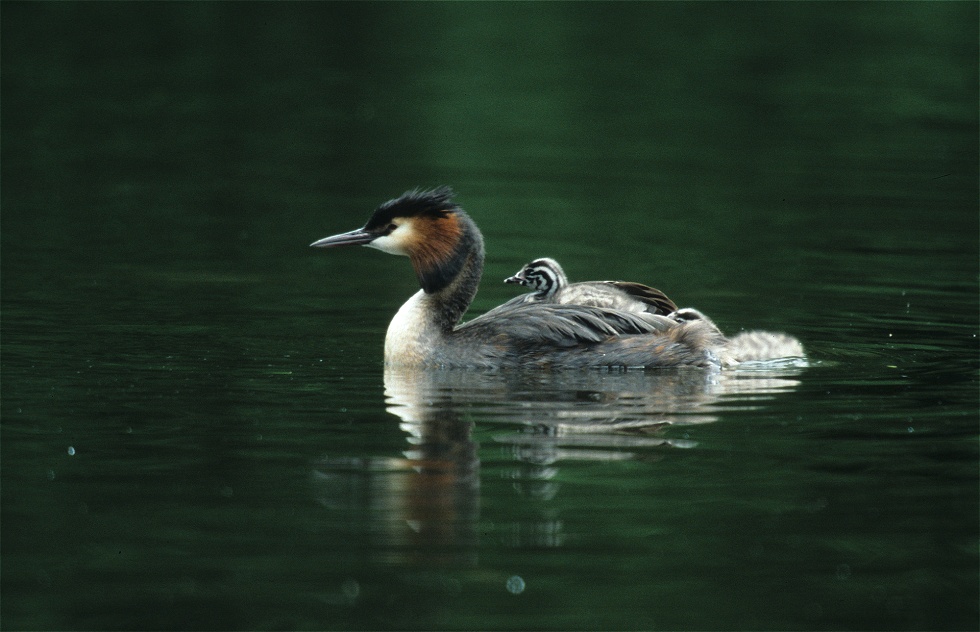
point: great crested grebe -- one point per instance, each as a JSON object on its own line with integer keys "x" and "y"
{"x": 550, "y": 285}
{"x": 446, "y": 251}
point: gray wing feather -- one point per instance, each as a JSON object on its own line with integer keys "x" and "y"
{"x": 532, "y": 323}
{"x": 656, "y": 301}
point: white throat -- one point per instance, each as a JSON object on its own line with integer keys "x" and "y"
{"x": 410, "y": 333}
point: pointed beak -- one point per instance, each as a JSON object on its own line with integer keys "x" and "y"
{"x": 515, "y": 279}
{"x": 359, "y": 237}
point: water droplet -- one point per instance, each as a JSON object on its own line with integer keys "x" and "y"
{"x": 911, "y": 429}
{"x": 351, "y": 589}
{"x": 71, "y": 451}
{"x": 515, "y": 584}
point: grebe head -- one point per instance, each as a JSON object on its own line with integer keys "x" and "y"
{"x": 687, "y": 314}
{"x": 428, "y": 227}
{"x": 544, "y": 276}
{"x": 691, "y": 315}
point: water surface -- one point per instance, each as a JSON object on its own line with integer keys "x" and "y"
{"x": 197, "y": 430}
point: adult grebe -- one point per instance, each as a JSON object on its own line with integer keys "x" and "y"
{"x": 550, "y": 285}
{"x": 446, "y": 250}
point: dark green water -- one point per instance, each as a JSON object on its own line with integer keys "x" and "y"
{"x": 197, "y": 432}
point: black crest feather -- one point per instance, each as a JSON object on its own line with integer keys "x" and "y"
{"x": 417, "y": 203}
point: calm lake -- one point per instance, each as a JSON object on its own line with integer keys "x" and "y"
{"x": 196, "y": 427}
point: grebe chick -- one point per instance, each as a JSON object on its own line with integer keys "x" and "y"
{"x": 445, "y": 249}
{"x": 549, "y": 284}
{"x": 755, "y": 345}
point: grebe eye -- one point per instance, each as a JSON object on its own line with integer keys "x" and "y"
{"x": 390, "y": 228}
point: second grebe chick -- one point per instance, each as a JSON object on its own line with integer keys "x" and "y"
{"x": 747, "y": 346}
{"x": 445, "y": 249}
{"x": 549, "y": 284}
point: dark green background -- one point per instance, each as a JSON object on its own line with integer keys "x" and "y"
{"x": 194, "y": 425}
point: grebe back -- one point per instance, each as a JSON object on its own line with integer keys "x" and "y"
{"x": 548, "y": 282}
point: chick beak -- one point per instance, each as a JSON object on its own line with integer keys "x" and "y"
{"x": 359, "y": 237}
{"x": 517, "y": 278}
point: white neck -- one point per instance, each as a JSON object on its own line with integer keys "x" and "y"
{"x": 411, "y": 332}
